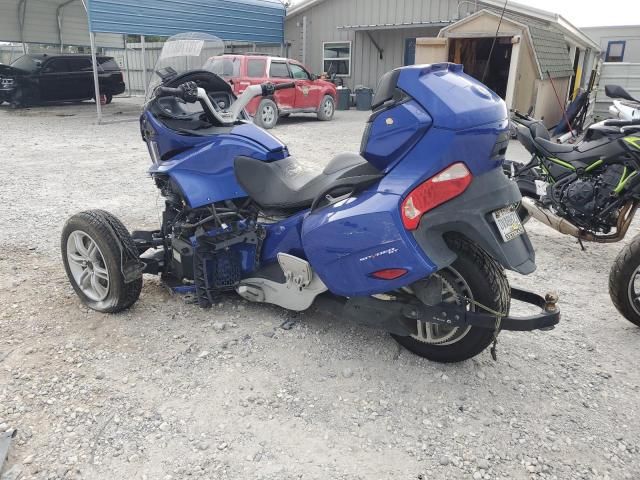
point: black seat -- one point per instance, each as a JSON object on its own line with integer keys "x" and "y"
{"x": 284, "y": 185}
{"x": 553, "y": 147}
{"x": 579, "y": 155}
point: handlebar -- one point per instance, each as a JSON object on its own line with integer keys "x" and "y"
{"x": 282, "y": 86}
{"x": 191, "y": 93}
{"x": 269, "y": 88}
{"x": 187, "y": 91}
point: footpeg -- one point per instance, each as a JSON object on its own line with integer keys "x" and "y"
{"x": 297, "y": 272}
{"x": 299, "y": 290}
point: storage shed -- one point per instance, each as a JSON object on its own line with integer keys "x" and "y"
{"x": 530, "y": 64}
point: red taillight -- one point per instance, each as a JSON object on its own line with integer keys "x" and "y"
{"x": 389, "y": 273}
{"x": 444, "y": 186}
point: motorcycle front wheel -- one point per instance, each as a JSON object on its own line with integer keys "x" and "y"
{"x": 624, "y": 282}
{"x": 474, "y": 275}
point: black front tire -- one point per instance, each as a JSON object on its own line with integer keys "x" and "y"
{"x": 488, "y": 284}
{"x": 16, "y": 99}
{"x": 622, "y": 279}
{"x": 110, "y": 235}
{"x": 327, "y": 109}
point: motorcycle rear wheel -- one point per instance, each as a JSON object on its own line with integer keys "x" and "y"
{"x": 475, "y": 275}
{"x": 624, "y": 282}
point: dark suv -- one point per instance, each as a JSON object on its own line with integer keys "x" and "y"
{"x": 36, "y": 79}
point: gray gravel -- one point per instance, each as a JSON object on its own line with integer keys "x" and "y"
{"x": 169, "y": 391}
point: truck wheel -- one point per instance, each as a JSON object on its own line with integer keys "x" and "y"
{"x": 474, "y": 275}
{"x": 91, "y": 252}
{"x": 327, "y": 108}
{"x": 267, "y": 114}
{"x": 624, "y": 282}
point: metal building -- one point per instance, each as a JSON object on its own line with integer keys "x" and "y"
{"x": 620, "y": 47}
{"x": 361, "y": 39}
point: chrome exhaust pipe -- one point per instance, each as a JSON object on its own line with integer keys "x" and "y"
{"x": 551, "y": 219}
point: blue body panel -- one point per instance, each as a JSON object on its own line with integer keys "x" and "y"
{"x": 284, "y": 236}
{"x": 204, "y": 169}
{"x": 347, "y": 242}
{"x": 453, "y": 99}
{"x": 449, "y": 118}
{"x": 393, "y": 133}
{"x": 354, "y": 238}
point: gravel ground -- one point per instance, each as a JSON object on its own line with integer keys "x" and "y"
{"x": 241, "y": 391}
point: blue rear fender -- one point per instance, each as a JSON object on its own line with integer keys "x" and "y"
{"x": 352, "y": 239}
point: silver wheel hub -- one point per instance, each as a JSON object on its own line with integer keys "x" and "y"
{"x": 268, "y": 114}
{"x": 453, "y": 286}
{"x": 328, "y": 108}
{"x": 87, "y": 266}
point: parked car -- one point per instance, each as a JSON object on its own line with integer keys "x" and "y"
{"x": 37, "y": 79}
{"x": 311, "y": 95}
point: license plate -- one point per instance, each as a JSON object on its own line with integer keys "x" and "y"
{"x": 508, "y": 222}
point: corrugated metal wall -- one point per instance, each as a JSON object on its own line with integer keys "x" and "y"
{"x": 627, "y": 75}
{"x": 324, "y": 19}
{"x": 248, "y": 20}
{"x": 41, "y": 24}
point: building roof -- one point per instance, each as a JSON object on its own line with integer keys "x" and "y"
{"x": 549, "y": 45}
{"x": 561, "y": 23}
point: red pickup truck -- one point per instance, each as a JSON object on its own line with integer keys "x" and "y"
{"x": 311, "y": 95}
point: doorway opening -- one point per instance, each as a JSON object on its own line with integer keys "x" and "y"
{"x": 473, "y": 54}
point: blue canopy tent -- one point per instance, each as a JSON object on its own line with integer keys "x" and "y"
{"x": 260, "y": 21}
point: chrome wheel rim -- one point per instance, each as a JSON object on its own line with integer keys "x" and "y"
{"x": 328, "y": 107}
{"x": 87, "y": 266}
{"x": 633, "y": 290}
{"x": 453, "y": 286}
{"x": 268, "y": 114}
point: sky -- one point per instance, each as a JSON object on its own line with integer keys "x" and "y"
{"x": 588, "y": 13}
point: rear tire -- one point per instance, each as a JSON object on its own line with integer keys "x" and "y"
{"x": 622, "y": 282}
{"x": 326, "y": 109}
{"x": 267, "y": 114}
{"x": 91, "y": 254}
{"x": 487, "y": 284}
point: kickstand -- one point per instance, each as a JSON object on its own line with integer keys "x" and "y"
{"x": 582, "y": 245}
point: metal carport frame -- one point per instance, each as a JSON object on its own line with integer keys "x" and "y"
{"x": 107, "y": 21}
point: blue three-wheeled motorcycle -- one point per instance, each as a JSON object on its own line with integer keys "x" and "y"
{"x": 411, "y": 235}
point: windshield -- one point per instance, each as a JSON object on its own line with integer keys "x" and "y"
{"x": 182, "y": 53}
{"x": 26, "y": 63}
{"x": 224, "y": 66}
